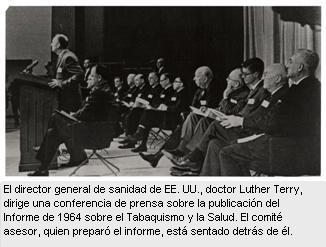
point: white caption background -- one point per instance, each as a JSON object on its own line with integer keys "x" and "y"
{"x": 162, "y": 213}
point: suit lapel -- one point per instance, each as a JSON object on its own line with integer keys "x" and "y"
{"x": 60, "y": 59}
{"x": 253, "y": 92}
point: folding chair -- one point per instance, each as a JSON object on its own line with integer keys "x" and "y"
{"x": 162, "y": 133}
{"x": 95, "y": 136}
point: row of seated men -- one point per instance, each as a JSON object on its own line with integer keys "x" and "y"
{"x": 257, "y": 103}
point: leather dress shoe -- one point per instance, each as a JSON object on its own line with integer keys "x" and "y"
{"x": 41, "y": 173}
{"x": 127, "y": 145}
{"x": 186, "y": 165}
{"x": 179, "y": 173}
{"x": 153, "y": 159}
{"x": 140, "y": 148}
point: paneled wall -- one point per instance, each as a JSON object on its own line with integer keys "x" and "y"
{"x": 28, "y": 34}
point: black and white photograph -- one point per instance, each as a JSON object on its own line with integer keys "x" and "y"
{"x": 182, "y": 91}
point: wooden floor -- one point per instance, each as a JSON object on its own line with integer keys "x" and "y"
{"x": 131, "y": 165}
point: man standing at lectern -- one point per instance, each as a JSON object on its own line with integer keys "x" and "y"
{"x": 68, "y": 75}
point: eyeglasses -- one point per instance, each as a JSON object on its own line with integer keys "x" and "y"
{"x": 177, "y": 81}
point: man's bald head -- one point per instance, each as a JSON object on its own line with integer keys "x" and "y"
{"x": 274, "y": 76}
{"x": 131, "y": 79}
{"x": 235, "y": 77}
{"x": 203, "y": 76}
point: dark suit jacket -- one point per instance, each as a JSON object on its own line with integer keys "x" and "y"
{"x": 299, "y": 113}
{"x": 120, "y": 93}
{"x": 208, "y": 97}
{"x": 179, "y": 102}
{"x": 71, "y": 74}
{"x": 258, "y": 119}
{"x": 254, "y": 99}
{"x": 131, "y": 94}
{"x": 235, "y": 101}
{"x": 153, "y": 95}
{"x": 142, "y": 92}
{"x": 98, "y": 105}
{"x": 165, "y": 97}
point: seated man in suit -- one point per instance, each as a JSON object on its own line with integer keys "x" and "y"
{"x": 205, "y": 96}
{"x": 96, "y": 108}
{"x": 120, "y": 89}
{"x": 131, "y": 93}
{"x": 296, "y": 116}
{"x": 124, "y": 102}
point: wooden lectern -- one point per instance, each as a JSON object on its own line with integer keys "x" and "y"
{"x": 37, "y": 103}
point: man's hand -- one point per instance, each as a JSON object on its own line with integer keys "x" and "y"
{"x": 231, "y": 86}
{"x": 232, "y": 121}
{"x": 227, "y": 92}
{"x": 55, "y": 83}
{"x": 203, "y": 109}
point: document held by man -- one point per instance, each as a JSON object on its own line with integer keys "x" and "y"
{"x": 209, "y": 112}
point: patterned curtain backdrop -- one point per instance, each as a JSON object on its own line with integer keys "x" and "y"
{"x": 274, "y": 40}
